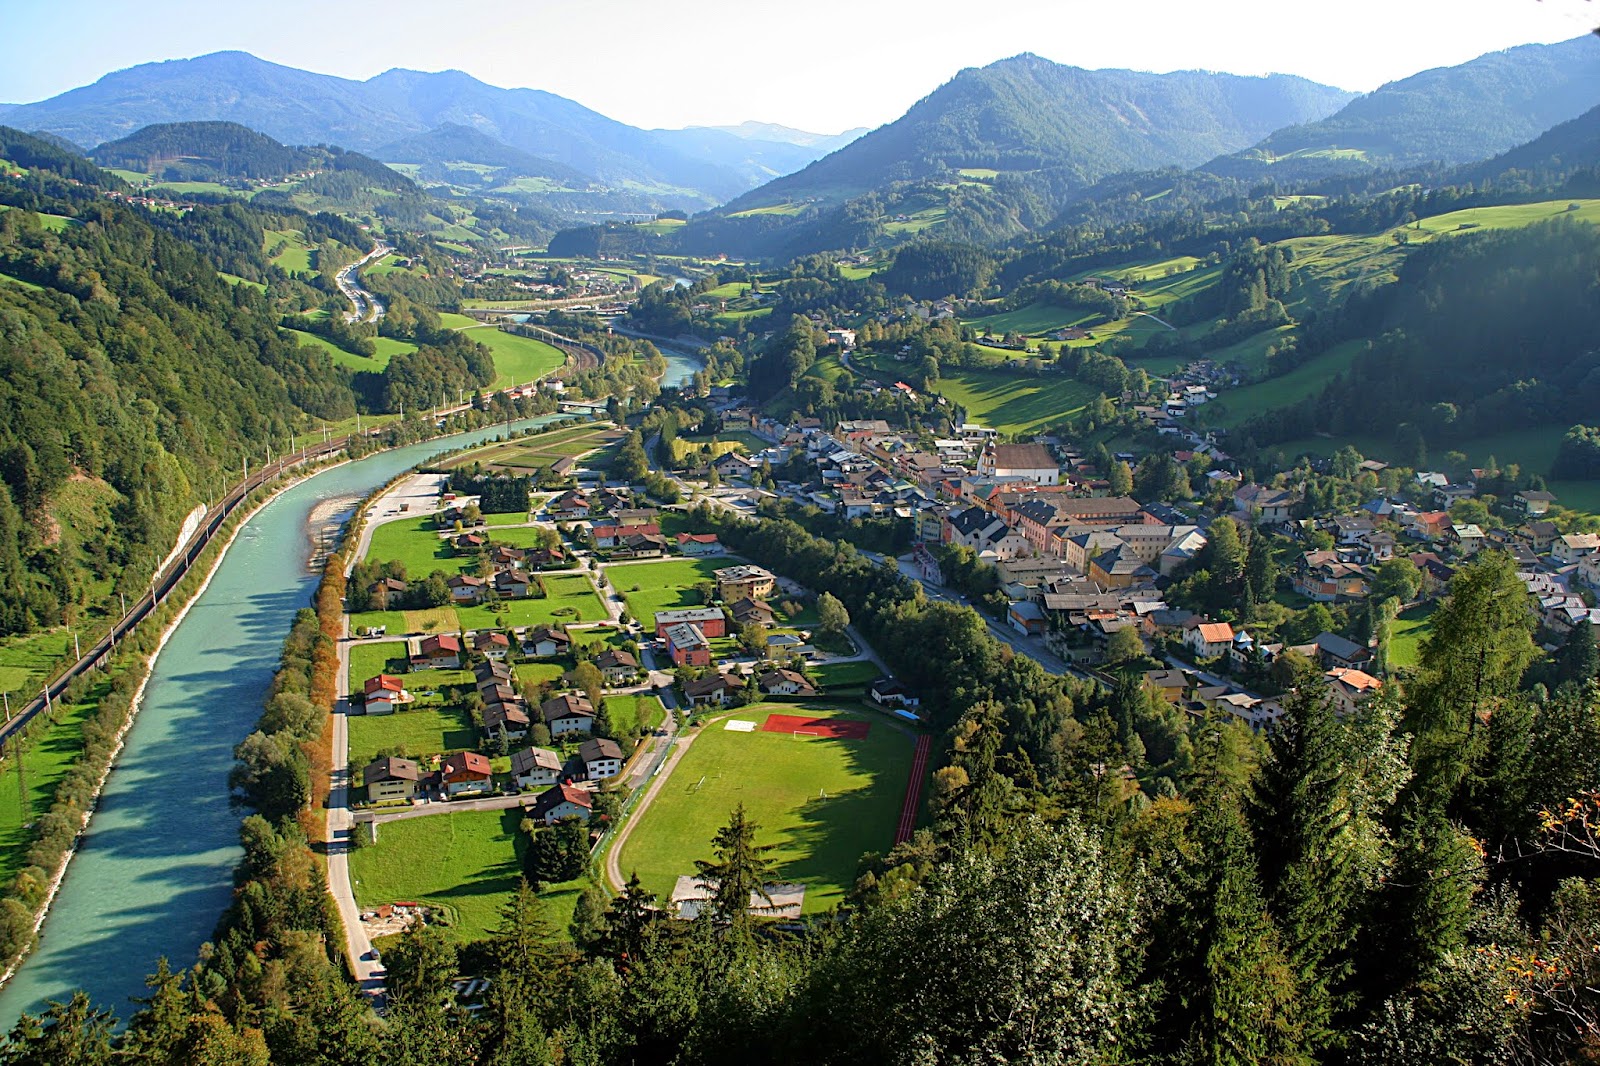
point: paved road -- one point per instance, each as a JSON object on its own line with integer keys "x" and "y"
{"x": 368, "y": 972}
{"x": 366, "y": 307}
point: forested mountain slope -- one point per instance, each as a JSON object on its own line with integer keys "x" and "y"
{"x": 1027, "y": 113}
{"x": 1450, "y": 115}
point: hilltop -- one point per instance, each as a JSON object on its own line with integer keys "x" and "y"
{"x": 1448, "y": 115}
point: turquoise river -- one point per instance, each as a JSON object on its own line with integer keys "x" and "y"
{"x": 155, "y": 869}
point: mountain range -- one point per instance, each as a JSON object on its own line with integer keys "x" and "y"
{"x": 1028, "y": 114}
{"x": 1449, "y": 115}
{"x": 694, "y": 168}
{"x": 994, "y": 153}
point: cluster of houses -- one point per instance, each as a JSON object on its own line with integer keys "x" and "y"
{"x": 1348, "y": 684}
{"x": 686, "y": 635}
{"x": 507, "y": 717}
{"x": 618, "y": 527}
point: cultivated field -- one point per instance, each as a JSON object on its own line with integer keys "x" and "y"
{"x": 527, "y": 454}
{"x": 822, "y": 802}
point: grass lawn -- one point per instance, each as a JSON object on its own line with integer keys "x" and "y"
{"x": 663, "y": 586}
{"x": 427, "y": 730}
{"x": 646, "y": 709}
{"x": 570, "y": 598}
{"x": 857, "y": 674}
{"x": 415, "y": 542}
{"x": 47, "y": 757}
{"x": 1014, "y": 403}
{"x": 506, "y": 519}
{"x": 822, "y": 802}
{"x": 518, "y": 360}
{"x": 465, "y": 862}
{"x": 26, "y": 661}
{"x": 386, "y": 348}
{"x": 1408, "y": 631}
{"x": 370, "y": 660}
{"x": 537, "y": 673}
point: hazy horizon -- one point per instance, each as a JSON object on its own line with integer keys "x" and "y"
{"x": 854, "y": 65}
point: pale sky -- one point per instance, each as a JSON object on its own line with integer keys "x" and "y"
{"x": 821, "y": 65}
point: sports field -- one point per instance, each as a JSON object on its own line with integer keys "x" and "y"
{"x": 822, "y": 801}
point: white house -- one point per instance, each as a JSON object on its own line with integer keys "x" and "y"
{"x": 535, "y": 767}
{"x": 602, "y": 758}
{"x": 1207, "y": 640}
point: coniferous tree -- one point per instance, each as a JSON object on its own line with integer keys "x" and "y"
{"x": 1231, "y": 994}
{"x": 740, "y": 872}
{"x": 1318, "y": 808}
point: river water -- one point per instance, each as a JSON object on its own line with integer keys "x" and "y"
{"x": 156, "y": 867}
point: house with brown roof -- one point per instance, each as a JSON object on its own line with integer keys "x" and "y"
{"x": 544, "y": 642}
{"x": 752, "y": 612}
{"x": 506, "y": 719}
{"x": 491, "y": 645}
{"x": 464, "y": 588}
{"x": 602, "y": 758}
{"x": 617, "y": 666}
{"x": 561, "y": 801}
{"x": 389, "y": 779}
{"x": 465, "y": 773}
{"x": 570, "y": 712}
{"x": 785, "y": 683}
{"x": 533, "y": 767}
{"x": 716, "y": 689}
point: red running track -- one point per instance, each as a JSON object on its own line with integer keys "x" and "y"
{"x": 908, "y": 813}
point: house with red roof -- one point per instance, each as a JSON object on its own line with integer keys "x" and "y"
{"x": 439, "y": 652}
{"x": 465, "y": 773}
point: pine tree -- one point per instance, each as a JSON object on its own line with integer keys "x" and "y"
{"x": 630, "y": 921}
{"x": 740, "y": 871}
{"x": 1471, "y": 663}
{"x": 1233, "y": 998}
{"x": 1317, "y": 808}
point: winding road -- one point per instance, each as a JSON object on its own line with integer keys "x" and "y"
{"x": 366, "y": 307}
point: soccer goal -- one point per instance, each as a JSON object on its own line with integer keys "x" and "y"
{"x": 799, "y": 733}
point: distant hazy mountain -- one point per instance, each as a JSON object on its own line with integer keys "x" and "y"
{"x": 1449, "y": 115}
{"x": 1027, "y": 113}
{"x": 299, "y": 107}
{"x": 455, "y": 143}
{"x": 772, "y": 131}
{"x": 755, "y": 160}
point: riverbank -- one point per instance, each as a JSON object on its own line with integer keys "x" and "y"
{"x": 143, "y": 668}
{"x": 155, "y": 868}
